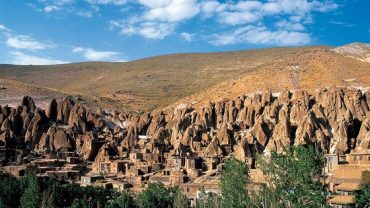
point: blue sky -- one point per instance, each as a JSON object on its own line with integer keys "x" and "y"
{"x": 62, "y": 31}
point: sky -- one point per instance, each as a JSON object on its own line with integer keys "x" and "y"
{"x": 64, "y": 31}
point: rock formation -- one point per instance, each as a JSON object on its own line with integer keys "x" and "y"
{"x": 335, "y": 120}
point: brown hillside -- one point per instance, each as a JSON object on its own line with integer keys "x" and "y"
{"x": 307, "y": 69}
{"x": 12, "y": 93}
{"x": 147, "y": 83}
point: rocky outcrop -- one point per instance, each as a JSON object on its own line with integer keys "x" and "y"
{"x": 64, "y": 108}
{"x": 56, "y": 139}
{"x": 334, "y": 120}
{"x": 77, "y": 119}
{"x": 29, "y": 104}
{"x": 35, "y": 129}
{"x": 363, "y": 138}
{"x": 52, "y": 110}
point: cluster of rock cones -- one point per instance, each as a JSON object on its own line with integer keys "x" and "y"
{"x": 335, "y": 120}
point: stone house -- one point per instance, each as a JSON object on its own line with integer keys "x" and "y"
{"x": 345, "y": 177}
{"x": 64, "y": 175}
{"x": 110, "y": 167}
{"x": 86, "y": 180}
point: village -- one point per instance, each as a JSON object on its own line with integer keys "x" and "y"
{"x": 133, "y": 171}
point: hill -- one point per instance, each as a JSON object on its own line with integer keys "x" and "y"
{"x": 307, "y": 69}
{"x": 147, "y": 83}
{"x": 359, "y": 51}
{"x": 156, "y": 82}
{"x": 12, "y": 93}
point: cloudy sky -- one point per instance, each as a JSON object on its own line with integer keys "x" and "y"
{"x": 62, "y": 31}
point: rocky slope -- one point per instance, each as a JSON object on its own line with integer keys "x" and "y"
{"x": 307, "y": 69}
{"x": 334, "y": 120}
{"x": 12, "y": 92}
{"x": 359, "y": 51}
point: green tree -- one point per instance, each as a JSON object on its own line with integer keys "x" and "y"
{"x": 78, "y": 203}
{"x": 10, "y": 191}
{"x": 180, "y": 200}
{"x": 209, "y": 200}
{"x": 234, "y": 180}
{"x": 31, "y": 195}
{"x": 51, "y": 195}
{"x": 294, "y": 178}
{"x": 87, "y": 196}
{"x": 363, "y": 195}
{"x": 48, "y": 197}
{"x": 123, "y": 200}
{"x": 265, "y": 197}
{"x": 155, "y": 196}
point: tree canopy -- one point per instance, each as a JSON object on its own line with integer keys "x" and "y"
{"x": 294, "y": 178}
{"x": 234, "y": 180}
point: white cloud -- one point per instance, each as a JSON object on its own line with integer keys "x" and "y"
{"x": 324, "y": 6}
{"x": 158, "y": 19}
{"x": 225, "y": 39}
{"x": 3, "y": 28}
{"x": 170, "y": 10}
{"x": 20, "y": 58}
{"x": 155, "y": 30}
{"x": 148, "y": 29}
{"x": 93, "y": 55}
{"x": 286, "y": 25}
{"x": 209, "y": 8}
{"x": 246, "y": 12}
{"x": 26, "y": 42}
{"x": 105, "y": 2}
{"x": 51, "y": 8}
{"x": 55, "y": 5}
{"x": 247, "y": 20}
{"x": 343, "y": 24}
{"x": 151, "y": 30}
{"x": 271, "y": 8}
{"x": 70, "y": 6}
{"x": 187, "y": 36}
{"x": 58, "y": 2}
{"x": 262, "y": 35}
{"x": 239, "y": 18}
{"x": 88, "y": 14}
